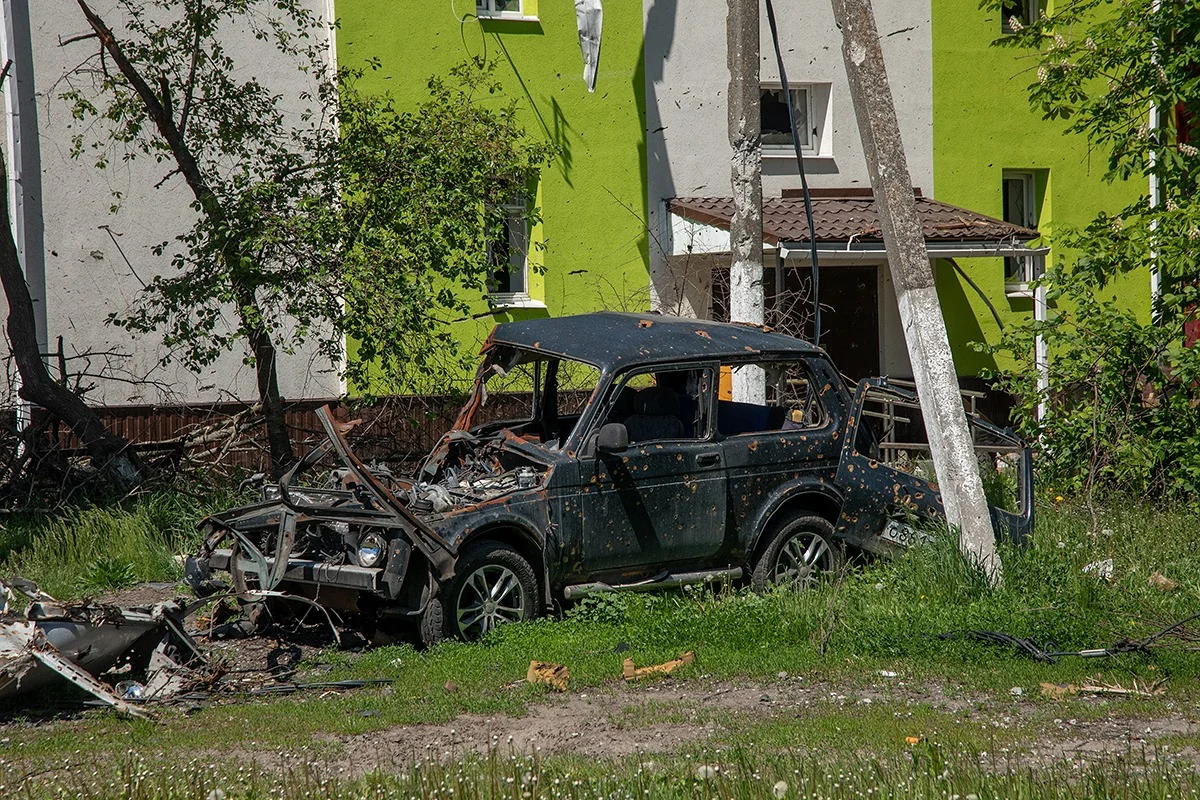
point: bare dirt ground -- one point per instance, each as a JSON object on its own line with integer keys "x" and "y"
{"x": 672, "y": 716}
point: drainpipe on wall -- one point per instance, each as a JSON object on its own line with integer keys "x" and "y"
{"x": 1155, "y": 189}
{"x": 330, "y": 20}
{"x": 25, "y": 181}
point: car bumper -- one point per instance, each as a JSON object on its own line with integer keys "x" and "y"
{"x": 347, "y": 576}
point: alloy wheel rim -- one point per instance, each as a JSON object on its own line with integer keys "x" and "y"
{"x": 802, "y": 559}
{"x": 491, "y": 596}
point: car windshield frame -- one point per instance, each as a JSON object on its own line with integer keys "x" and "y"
{"x": 499, "y": 360}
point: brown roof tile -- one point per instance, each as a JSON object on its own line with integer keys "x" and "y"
{"x": 841, "y": 219}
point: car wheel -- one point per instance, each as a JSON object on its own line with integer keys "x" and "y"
{"x": 492, "y": 585}
{"x": 800, "y": 551}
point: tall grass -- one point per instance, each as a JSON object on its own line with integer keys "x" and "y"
{"x": 896, "y": 609}
{"x": 83, "y": 551}
{"x": 927, "y": 772}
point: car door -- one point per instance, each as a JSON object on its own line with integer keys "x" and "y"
{"x": 884, "y": 507}
{"x": 662, "y": 500}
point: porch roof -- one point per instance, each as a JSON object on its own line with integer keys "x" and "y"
{"x": 850, "y": 215}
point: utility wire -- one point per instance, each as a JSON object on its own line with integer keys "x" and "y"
{"x": 808, "y": 213}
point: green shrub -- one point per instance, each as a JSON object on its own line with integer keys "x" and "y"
{"x": 84, "y": 551}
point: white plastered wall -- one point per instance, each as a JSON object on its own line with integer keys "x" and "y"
{"x": 96, "y": 261}
{"x": 687, "y": 144}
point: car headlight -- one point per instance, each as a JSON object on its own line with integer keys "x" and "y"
{"x": 372, "y": 550}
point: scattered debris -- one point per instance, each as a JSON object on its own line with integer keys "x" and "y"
{"x": 1016, "y": 691}
{"x": 1059, "y": 691}
{"x": 1102, "y": 569}
{"x": 632, "y": 673}
{"x": 78, "y": 642}
{"x": 290, "y": 688}
{"x": 1139, "y": 688}
{"x": 553, "y": 675}
{"x": 1162, "y": 582}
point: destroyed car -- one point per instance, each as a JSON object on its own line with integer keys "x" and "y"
{"x": 54, "y": 643}
{"x": 641, "y": 451}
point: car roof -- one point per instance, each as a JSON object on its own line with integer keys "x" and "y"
{"x": 610, "y": 340}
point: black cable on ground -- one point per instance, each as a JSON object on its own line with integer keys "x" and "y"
{"x": 1047, "y": 656}
{"x": 812, "y": 233}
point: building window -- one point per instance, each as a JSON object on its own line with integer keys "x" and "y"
{"x": 1023, "y": 12}
{"x": 810, "y": 105}
{"x": 498, "y": 8}
{"x": 508, "y": 255}
{"x": 1020, "y": 208}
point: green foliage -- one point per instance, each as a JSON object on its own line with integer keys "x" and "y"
{"x": 322, "y": 217}
{"x": 422, "y": 195}
{"x": 83, "y": 551}
{"x": 1122, "y": 410}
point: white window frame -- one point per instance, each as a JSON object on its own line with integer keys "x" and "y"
{"x": 515, "y": 214}
{"x": 1032, "y": 266}
{"x": 1032, "y": 9}
{"x": 486, "y": 9}
{"x": 818, "y": 112}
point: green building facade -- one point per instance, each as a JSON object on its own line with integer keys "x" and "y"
{"x": 985, "y": 131}
{"x": 601, "y": 223}
{"x": 589, "y": 250}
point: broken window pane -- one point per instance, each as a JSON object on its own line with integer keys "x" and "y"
{"x": 508, "y": 253}
{"x": 510, "y": 395}
{"x": 776, "y": 129}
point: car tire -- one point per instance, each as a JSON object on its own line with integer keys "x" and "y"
{"x": 493, "y": 584}
{"x": 800, "y": 549}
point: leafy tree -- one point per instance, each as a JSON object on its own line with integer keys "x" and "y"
{"x": 409, "y": 211}
{"x": 110, "y": 455}
{"x": 1124, "y": 409}
{"x": 347, "y": 219}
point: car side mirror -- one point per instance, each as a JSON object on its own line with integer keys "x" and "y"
{"x": 612, "y": 438}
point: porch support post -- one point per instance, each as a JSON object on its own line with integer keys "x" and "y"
{"x": 745, "y": 229}
{"x": 920, "y": 313}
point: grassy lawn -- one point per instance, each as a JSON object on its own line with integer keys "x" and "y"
{"x": 850, "y": 671}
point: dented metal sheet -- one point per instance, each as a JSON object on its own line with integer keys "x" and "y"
{"x": 54, "y": 642}
{"x": 589, "y": 18}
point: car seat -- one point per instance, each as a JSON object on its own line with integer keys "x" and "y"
{"x": 656, "y": 415}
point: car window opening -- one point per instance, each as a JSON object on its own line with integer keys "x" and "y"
{"x": 791, "y": 401}
{"x": 663, "y": 405}
{"x": 536, "y": 397}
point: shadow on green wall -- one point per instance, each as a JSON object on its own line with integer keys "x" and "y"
{"x": 560, "y": 133}
{"x": 962, "y": 325}
{"x": 660, "y": 23}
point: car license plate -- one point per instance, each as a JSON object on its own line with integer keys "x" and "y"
{"x": 904, "y": 535}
